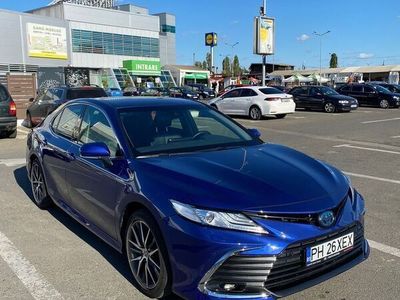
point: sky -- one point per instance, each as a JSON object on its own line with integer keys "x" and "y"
{"x": 363, "y": 32}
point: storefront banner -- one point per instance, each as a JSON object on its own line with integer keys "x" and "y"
{"x": 46, "y": 41}
{"x": 264, "y": 30}
{"x": 143, "y": 67}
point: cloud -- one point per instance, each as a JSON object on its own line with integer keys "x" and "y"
{"x": 363, "y": 55}
{"x": 235, "y": 22}
{"x": 303, "y": 37}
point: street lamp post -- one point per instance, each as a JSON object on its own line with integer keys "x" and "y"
{"x": 320, "y": 35}
{"x": 263, "y": 12}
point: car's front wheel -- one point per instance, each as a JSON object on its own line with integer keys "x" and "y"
{"x": 384, "y": 104}
{"x": 38, "y": 185}
{"x": 255, "y": 113}
{"x": 147, "y": 255}
{"x": 329, "y": 107}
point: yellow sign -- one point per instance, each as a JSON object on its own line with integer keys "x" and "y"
{"x": 46, "y": 41}
{"x": 264, "y": 36}
{"x": 211, "y": 39}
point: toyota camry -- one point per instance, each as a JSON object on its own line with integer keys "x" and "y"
{"x": 200, "y": 206}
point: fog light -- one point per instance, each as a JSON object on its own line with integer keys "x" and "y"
{"x": 229, "y": 286}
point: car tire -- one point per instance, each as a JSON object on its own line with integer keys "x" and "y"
{"x": 201, "y": 97}
{"x": 29, "y": 123}
{"x": 384, "y": 104}
{"x": 12, "y": 134}
{"x": 255, "y": 113}
{"x": 280, "y": 116}
{"x": 38, "y": 185}
{"x": 329, "y": 107}
{"x": 147, "y": 255}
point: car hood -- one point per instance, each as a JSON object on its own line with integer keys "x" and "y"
{"x": 262, "y": 178}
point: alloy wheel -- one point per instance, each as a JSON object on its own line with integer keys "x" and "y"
{"x": 144, "y": 255}
{"x": 37, "y": 183}
{"x": 255, "y": 113}
{"x": 330, "y": 108}
{"x": 384, "y": 104}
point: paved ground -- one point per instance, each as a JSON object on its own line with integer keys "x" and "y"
{"x": 46, "y": 253}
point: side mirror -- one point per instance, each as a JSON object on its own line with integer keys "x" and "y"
{"x": 95, "y": 150}
{"x": 254, "y": 133}
{"x": 31, "y": 99}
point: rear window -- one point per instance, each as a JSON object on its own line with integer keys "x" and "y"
{"x": 270, "y": 91}
{"x": 85, "y": 93}
{"x": 3, "y": 93}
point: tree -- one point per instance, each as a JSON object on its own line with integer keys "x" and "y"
{"x": 226, "y": 67}
{"x": 204, "y": 65}
{"x": 333, "y": 63}
{"x": 236, "y": 66}
{"x": 198, "y": 64}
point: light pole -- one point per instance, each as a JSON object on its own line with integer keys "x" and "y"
{"x": 263, "y": 12}
{"x": 320, "y": 35}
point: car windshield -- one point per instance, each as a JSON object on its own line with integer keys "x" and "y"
{"x": 328, "y": 91}
{"x": 85, "y": 93}
{"x": 178, "y": 129}
{"x": 382, "y": 90}
{"x": 270, "y": 91}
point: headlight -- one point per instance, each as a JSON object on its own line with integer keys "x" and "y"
{"x": 205, "y": 92}
{"x": 234, "y": 221}
{"x": 396, "y": 98}
{"x": 343, "y": 101}
{"x": 189, "y": 95}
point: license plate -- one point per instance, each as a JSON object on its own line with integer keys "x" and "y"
{"x": 329, "y": 249}
{"x": 354, "y": 105}
{"x": 285, "y": 100}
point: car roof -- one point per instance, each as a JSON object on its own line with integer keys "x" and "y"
{"x": 136, "y": 102}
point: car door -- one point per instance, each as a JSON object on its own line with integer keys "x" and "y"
{"x": 241, "y": 105}
{"x": 371, "y": 95}
{"x": 95, "y": 185}
{"x": 315, "y": 99}
{"x": 226, "y": 104}
{"x": 302, "y": 97}
{"x": 357, "y": 92}
{"x": 55, "y": 148}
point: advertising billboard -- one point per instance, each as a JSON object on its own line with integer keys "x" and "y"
{"x": 46, "y": 41}
{"x": 264, "y": 36}
{"x": 211, "y": 39}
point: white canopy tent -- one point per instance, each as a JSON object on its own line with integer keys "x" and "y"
{"x": 317, "y": 78}
{"x": 297, "y": 78}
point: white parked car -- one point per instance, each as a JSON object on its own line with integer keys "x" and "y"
{"x": 255, "y": 102}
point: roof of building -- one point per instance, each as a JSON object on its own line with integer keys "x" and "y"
{"x": 186, "y": 68}
{"x": 343, "y": 70}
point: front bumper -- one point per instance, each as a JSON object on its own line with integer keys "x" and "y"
{"x": 8, "y": 124}
{"x": 197, "y": 253}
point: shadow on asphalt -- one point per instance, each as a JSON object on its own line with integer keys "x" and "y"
{"x": 116, "y": 259}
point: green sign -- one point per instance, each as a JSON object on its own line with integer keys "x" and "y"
{"x": 196, "y": 76}
{"x": 143, "y": 67}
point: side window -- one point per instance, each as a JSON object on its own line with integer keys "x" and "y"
{"x": 232, "y": 94}
{"x": 314, "y": 91}
{"x": 248, "y": 93}
{"x": 345, "y": 89}
{"x": 357, "y": 88}
{"x": 96, "y": 128}
{"x": 368, "y": 89}
{"x": 47, "y": 96}
{"x": 3, "y": 93}
{"x": 66, "y": 122}
{"x": 57, "y": 94}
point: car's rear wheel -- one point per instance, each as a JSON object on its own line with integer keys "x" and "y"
{"x": 329, "y": 107}
{"x": 147, "y": 255}
{"x": 280, "y": 116}
{"x": 384, "y": 104}
{"x": 13, "y": 134}
{"x": 38, "y": 185}
{"x": 255, "y": 113}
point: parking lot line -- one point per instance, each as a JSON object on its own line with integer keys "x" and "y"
{"x": 13, "y": 162}
{"x": 372, "y": 177}
{"x": 378, "y": 121}
{"x": 23, "y": 130}
{"x": 365, "y": 148}
{"x": 395, "y": 137}
{"x": 384, "y": 248}
{"x": 35, "y": 283}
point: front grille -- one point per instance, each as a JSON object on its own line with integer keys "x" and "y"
{"x": 290, "y": 267}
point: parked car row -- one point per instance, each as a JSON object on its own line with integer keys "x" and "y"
{"x": 8, "y": 114}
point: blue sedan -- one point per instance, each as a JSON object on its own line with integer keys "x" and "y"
{"x": 200, "y": 206}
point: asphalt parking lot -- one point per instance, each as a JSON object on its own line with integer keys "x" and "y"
{"x": 47, "y": 255}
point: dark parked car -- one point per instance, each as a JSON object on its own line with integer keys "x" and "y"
{"x": 322, "y": 97}
{"x": 8, "y": 114}
{"x": 131, "y": 91}
{"x": 203, "y": 91}
{"x": 394, "y": 88}
{"x": 52, "y": 98}
{"x": 199, "y": 205}
{"x": 183, "y": 92}
{"x": 371, "y": 95}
